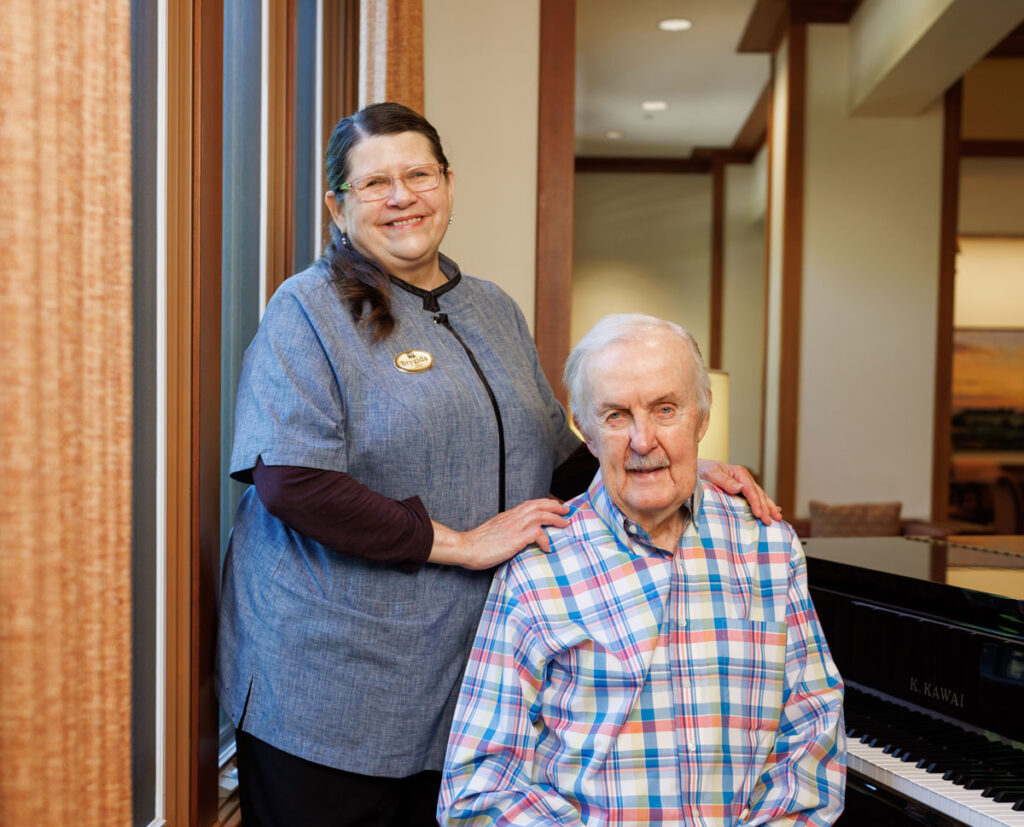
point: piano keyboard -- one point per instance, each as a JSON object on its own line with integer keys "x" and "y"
{"x": 967, "y": 806}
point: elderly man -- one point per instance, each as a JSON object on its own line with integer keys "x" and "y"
{"x": 663, "y": 663}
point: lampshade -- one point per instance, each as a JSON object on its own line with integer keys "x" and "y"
{"x": 715, "y": 444}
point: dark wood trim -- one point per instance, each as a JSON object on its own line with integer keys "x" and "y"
{"x": 726, "y": 156}
{"x": 769, "y": 19}
{"x": 717, "y": 263}
{"x": 555, "y": 186}
{"x": 792, "y": 272}
{"x": 341, "y": 63}
{"x": 765, "y": 26}
{"x": 992, "y": 149}
{"x": 195, "y": 108}
{"x": 822, "y": 11}
{"x": 280, "y": 170}
{"x": 767, "y": 269}
{"x": 291, "y": 50}
{"x": 207, "y": 230}
{"x": 1003, "y": 236}
{"x": 178, "y": 662}
{"x": 350, "y": 81}
{"x": 697, "y": 166}
{"x": 340, "y": 50}
{"x": 1010, "y": 46}
{"x": 942, "y": 426}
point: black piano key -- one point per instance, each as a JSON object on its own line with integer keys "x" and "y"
{"x": 995, "y": 789}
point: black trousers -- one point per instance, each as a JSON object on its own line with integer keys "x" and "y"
{"x": 278, "y": 789}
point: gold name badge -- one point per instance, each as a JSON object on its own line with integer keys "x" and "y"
{"x": 414, "y": 361}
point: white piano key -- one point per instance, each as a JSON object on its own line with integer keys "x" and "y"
{"x": 968, "y": 806}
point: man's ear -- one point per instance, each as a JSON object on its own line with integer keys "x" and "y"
{"x": 703, "y": 427}
{"x": 334, "y": 206}
{"x": 586, "y": 439}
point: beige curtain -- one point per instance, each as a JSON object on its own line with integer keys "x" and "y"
{"x": 65, "y": 429}
{"x": 391, "y": 52}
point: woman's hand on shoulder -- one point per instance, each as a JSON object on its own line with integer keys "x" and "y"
{"x": 500, "y": 538}
{"x": 738, "y": 480}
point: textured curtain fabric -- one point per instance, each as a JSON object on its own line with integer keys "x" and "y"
{"x": 65, "y": 417}
{"x": 391, "y": 52}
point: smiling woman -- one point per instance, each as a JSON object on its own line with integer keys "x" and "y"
{"x": 402, "y": 440}
{"x": 396, "y": 205}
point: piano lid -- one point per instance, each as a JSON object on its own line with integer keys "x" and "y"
{"x": 953, "y": 650}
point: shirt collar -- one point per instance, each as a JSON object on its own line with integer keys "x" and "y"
{"x": 451, "y": 272}
{"x": 625, "y": 530}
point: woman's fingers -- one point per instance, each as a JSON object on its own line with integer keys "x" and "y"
{"x": 506, "y": 534}
{"x": 738, "y": 480}
{"x": 761, "y": 504}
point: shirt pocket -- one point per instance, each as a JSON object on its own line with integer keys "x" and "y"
{"x": 739, "y": 670}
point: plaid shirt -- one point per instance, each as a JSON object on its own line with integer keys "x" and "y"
{"x": 612, "y": 682}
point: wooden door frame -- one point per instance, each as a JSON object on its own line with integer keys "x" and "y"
{"x": 555, "y": 186}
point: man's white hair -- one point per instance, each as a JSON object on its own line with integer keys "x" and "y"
{"x": 625, "y": 327}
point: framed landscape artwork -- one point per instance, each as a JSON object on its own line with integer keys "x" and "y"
{"x": 988, "y": 389}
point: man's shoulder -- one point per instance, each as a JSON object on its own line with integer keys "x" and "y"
{"x": 576, "y": 548}
{"x": 720, "y": 503}
{"x": 719, "y": 507}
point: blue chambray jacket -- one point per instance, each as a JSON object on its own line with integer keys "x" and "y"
{"x": 339, "y": 660}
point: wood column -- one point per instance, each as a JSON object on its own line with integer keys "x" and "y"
{"x": 942, "y": 425}
{"x": 194, "y": 168}
{"x": 391, "y": 52}
{"x": 792, "y": 271}
{"x": 555, "y": 187}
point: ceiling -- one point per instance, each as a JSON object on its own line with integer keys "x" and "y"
{"x": 624, "y": 59}
{"x": 712, "y": 91}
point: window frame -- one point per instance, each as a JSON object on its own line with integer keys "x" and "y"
{"x": 191, "y": 256}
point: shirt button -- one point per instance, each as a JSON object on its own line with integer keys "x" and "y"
{"x": 692, "y": 747}
{"x": 745, "y": 814}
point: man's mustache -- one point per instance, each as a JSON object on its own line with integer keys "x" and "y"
{"x": 648, "y": 462}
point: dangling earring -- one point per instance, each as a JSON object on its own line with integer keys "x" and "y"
{"x": 344, "y": 239}
{"x": 451, "y": 219}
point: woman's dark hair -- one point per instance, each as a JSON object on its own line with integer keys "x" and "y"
{"x": 361, "y": 281}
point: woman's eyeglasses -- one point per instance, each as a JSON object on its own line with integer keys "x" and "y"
{"x": 380, "y": 185}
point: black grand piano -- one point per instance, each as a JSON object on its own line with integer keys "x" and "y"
{"x": 935, "y": 681}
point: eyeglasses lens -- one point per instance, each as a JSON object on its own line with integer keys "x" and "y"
{"x": 379, "y": 186}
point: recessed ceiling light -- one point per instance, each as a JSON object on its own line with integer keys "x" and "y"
{"x": 613, "y": 135}
{"x": 654, "y": 106}
{"x": 675, "y": 24}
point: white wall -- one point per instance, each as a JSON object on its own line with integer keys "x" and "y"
{"x": 743, "y": 307}
{"x": 990, "y": 263}
{"x": 990, "y": 283}
{"x": 642, "y": 245}
{"x": 871, "y": 243}
{"x": 480, "y": 66}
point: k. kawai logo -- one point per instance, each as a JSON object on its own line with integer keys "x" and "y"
{"x": 937, "y": 693}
